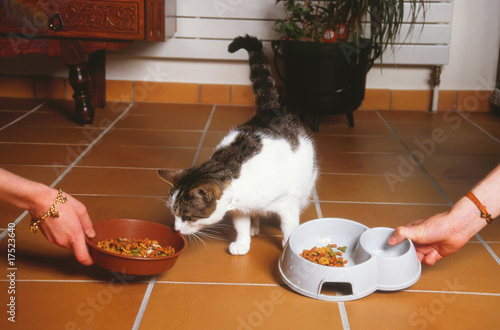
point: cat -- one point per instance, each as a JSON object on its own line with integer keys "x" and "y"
{"x": 264, "y": 166}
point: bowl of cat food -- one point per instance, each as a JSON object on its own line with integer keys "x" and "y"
{"x": 339, "y": 260}
{"x": 135, "y": 247}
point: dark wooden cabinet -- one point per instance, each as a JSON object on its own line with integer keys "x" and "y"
{"x": 80, "y": 32}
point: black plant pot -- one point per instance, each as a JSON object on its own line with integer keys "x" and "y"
{"x": 323, "y": 78}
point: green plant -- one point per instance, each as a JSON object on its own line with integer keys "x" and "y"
{"x": 353, "y": 21}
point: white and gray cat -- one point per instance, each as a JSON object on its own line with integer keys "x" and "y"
{"x": 265, "y": 166}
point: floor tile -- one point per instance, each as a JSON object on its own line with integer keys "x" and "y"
{"x": 428, "y": 146}
{"x": 213, "y": 263}
{"x": 424, "y": 311}
{"x": 337, "y": 125}
{"x": 139, "y": 156}
{"x": 178, "y": 117}
{"x": 212, "y": 139}
{"x": 367, "y": 174}
{"x": 111, "y": 181}
{"x": 123, "y": 207}
{"x": 8, "y": 117}
{"x": 171, "y": 110}
{"x": 372, "y": 144}
{"x": 460, "y": 165}
{"x": 157, "y": 138}
{"x": 226, "y": 117}
{"x": 437, "y": 130}
{"x": 380, "y": 188}
{"x": 380, "y": 215}
{"x": 83, "y": 305}
{"x": 39, "y": 154}
{"x": 237, "y": 307}
{"x": 483, "y": 277}
{"x": 20, "y": 104}
{"x": 61, "y": 135}
{"x": 491, "y": 128}
{"x": 456, "y": 187}
{"x": 367, "y": 163}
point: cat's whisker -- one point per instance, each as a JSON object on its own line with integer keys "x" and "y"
{"x": 196, "y": 236}
{"x": 161, "y": 200}
{"x": 214, "y": 235}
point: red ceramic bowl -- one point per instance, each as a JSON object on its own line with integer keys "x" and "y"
{"x": 139, "y": 229}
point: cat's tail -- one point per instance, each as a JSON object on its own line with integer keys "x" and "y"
{"x": 264, "y": 87}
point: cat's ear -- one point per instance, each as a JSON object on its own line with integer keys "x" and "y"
{"x": 208, "y": 191}
{"x": 170, "y": 176}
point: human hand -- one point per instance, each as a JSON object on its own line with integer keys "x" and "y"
{"x": 70, "y": 228}
{"x": 440, "y": 235}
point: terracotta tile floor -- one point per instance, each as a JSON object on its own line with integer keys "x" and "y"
{"x": 367, "y": 175}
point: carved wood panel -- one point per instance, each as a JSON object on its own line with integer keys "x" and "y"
{"x": 110, "y": 19}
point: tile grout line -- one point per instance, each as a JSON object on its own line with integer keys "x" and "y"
{"x": 25, "y": 115}
{"x": 481, "y": 240}
{"x": 455, "y": 292}
{"x": 91, "y": 145}
{"x": 427, "y": 174}
{"x": 450, "y": 203}
{"x": 202, "y": 139}
{"x": 153, "y": 279}
{"x": 474, "y": 293}
{"x": 488, "y": 248}
{"x": 342, "y": 310}
{"x": 70, "y": 167}
{"x": 316, "y": 203}
{"x": 477, "y": 126}
{"x": 144, "y": 303}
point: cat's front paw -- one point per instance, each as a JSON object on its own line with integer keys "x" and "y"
{"x": 239, "y": 248}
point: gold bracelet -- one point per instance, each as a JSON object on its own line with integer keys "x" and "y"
{"x": 52, "y": 212}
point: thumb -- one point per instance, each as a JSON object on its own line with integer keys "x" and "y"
{"x": 87, "y": 226}
{"x": 399, "y": 235}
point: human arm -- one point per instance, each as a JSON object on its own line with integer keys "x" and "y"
{"x": 445, "y": 233}
{"x": 68, "y": 230}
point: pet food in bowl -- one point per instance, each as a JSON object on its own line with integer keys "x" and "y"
{"x": 329, "y": 255}
{"x": 138, "y": 229}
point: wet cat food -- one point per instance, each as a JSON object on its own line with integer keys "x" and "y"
{"x": 135, "y": 247}
{"x": 329, "y": 255}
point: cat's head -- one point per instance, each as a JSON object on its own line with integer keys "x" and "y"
{"x": 195, "y": 203}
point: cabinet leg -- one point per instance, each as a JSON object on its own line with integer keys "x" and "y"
{"x": 97, "y": 71}
{"x": 79, "y": 80}
{"x": 316, "y": 123}
{"x": 350, "y": 118}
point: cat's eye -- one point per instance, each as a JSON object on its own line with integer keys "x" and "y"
{"x": 186, "y": 218}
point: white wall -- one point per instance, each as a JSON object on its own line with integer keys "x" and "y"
{"x": 474, "y": 51}
{"x": 475, "y": 42}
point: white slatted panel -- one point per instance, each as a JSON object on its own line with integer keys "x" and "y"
{"x": 205, "y": 28}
